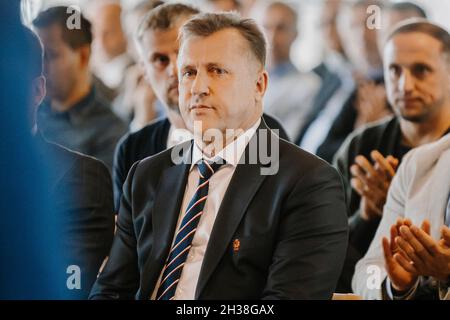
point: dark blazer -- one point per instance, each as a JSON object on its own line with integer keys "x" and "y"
{"x": 292, "y": 228}
{"x": 330, "y": 83}
{"x": 149, "y": 141}
{"x": 82, "y": 191}
{"x": 342, "y": 126}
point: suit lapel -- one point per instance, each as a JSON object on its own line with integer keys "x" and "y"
{"x": 246, "y": 180}
{"x": 165, "y": 216}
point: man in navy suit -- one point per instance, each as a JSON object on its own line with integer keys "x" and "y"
{"x": 212, "y": 218}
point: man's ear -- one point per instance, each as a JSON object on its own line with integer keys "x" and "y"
{"x": 38, "y": 90}
{"x": 85, "y": 55}
{"x": 261, "y": 84}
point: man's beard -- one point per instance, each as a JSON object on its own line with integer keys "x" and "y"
{"x": 173, "y": 105}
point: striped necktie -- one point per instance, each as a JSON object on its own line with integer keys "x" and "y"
{"x": 183, "y": 240}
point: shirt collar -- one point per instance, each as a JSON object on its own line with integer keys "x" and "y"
{"x": 177, "y": 136}
{"x": 232, "y": 153}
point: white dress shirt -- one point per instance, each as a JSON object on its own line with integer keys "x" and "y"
{"x": 218, "y": 185}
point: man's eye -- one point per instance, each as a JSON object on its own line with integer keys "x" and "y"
{"x": 420, "y": 70}
{"x": 188, "y": 73}
{"x": 219, "y": 71}
{"x": 161, "y": 60}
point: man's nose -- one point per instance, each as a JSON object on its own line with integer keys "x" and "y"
{"x": 406, "y": 82}
{"x": 200, "y": 86}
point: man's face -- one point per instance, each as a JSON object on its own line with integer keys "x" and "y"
{"x": 62, "y": 64}
{"x": 279, "y": 26}
{"x": 108, "y": 33}
{"x": 329, "y": 25}
{"x": 221, "y": 83}
{"x": 416, "y": 75}
{"x": 159, "y": 50}
{"x": 362, "y": 43}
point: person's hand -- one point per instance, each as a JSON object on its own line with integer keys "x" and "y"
{"x": 445, "y": 236}
{"x": 371, "y": 103}
{"x": 424, "y": 256}
{"x": 372, "y": 182}
{"x": 400, "y": 274}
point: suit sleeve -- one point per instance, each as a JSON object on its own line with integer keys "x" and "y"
{"x": 361, "y": 231}
{"x": 312, "y": 239}
{"x": 120, "y": 277}
{"x": 88, "y": 218}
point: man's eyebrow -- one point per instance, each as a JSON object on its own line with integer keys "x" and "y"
{"x": 187, "y": 66}
{"x": 214, "y": 64}
{"x": 154, "y": 54}
{"x": 421, "y": 64}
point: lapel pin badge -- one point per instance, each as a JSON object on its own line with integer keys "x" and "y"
{"x": 236, "y": 245}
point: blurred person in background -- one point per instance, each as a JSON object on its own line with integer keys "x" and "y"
{"x": 361, "y": 48}
{"x": 74, "y": 114}
{"x": 358, "y": 24}
{"x": 337, "y": 81}
{"x": 110, "y": 56}
{"x": 224, "y": 5}
{"x": 290, "y": 94}
{"x": 137, "y": 103}
{"x": 157, "y": 45}
{"x": 110, "y": 60}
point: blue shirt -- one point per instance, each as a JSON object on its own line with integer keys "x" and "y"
{"x": 89, "y": 127}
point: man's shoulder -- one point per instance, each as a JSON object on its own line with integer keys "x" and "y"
{"x": 375, "y": 129}
{"x": 292, "y": 156}
{"x": 154, "y": 127}
{"x": 155, "y": 134}
{"x": 70, "y": 165}
{"x": 424, "y": 158}
{"x": 154, "y": 165}
{"x": 371, "y": 136}
{"x": 70, "y": 158}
